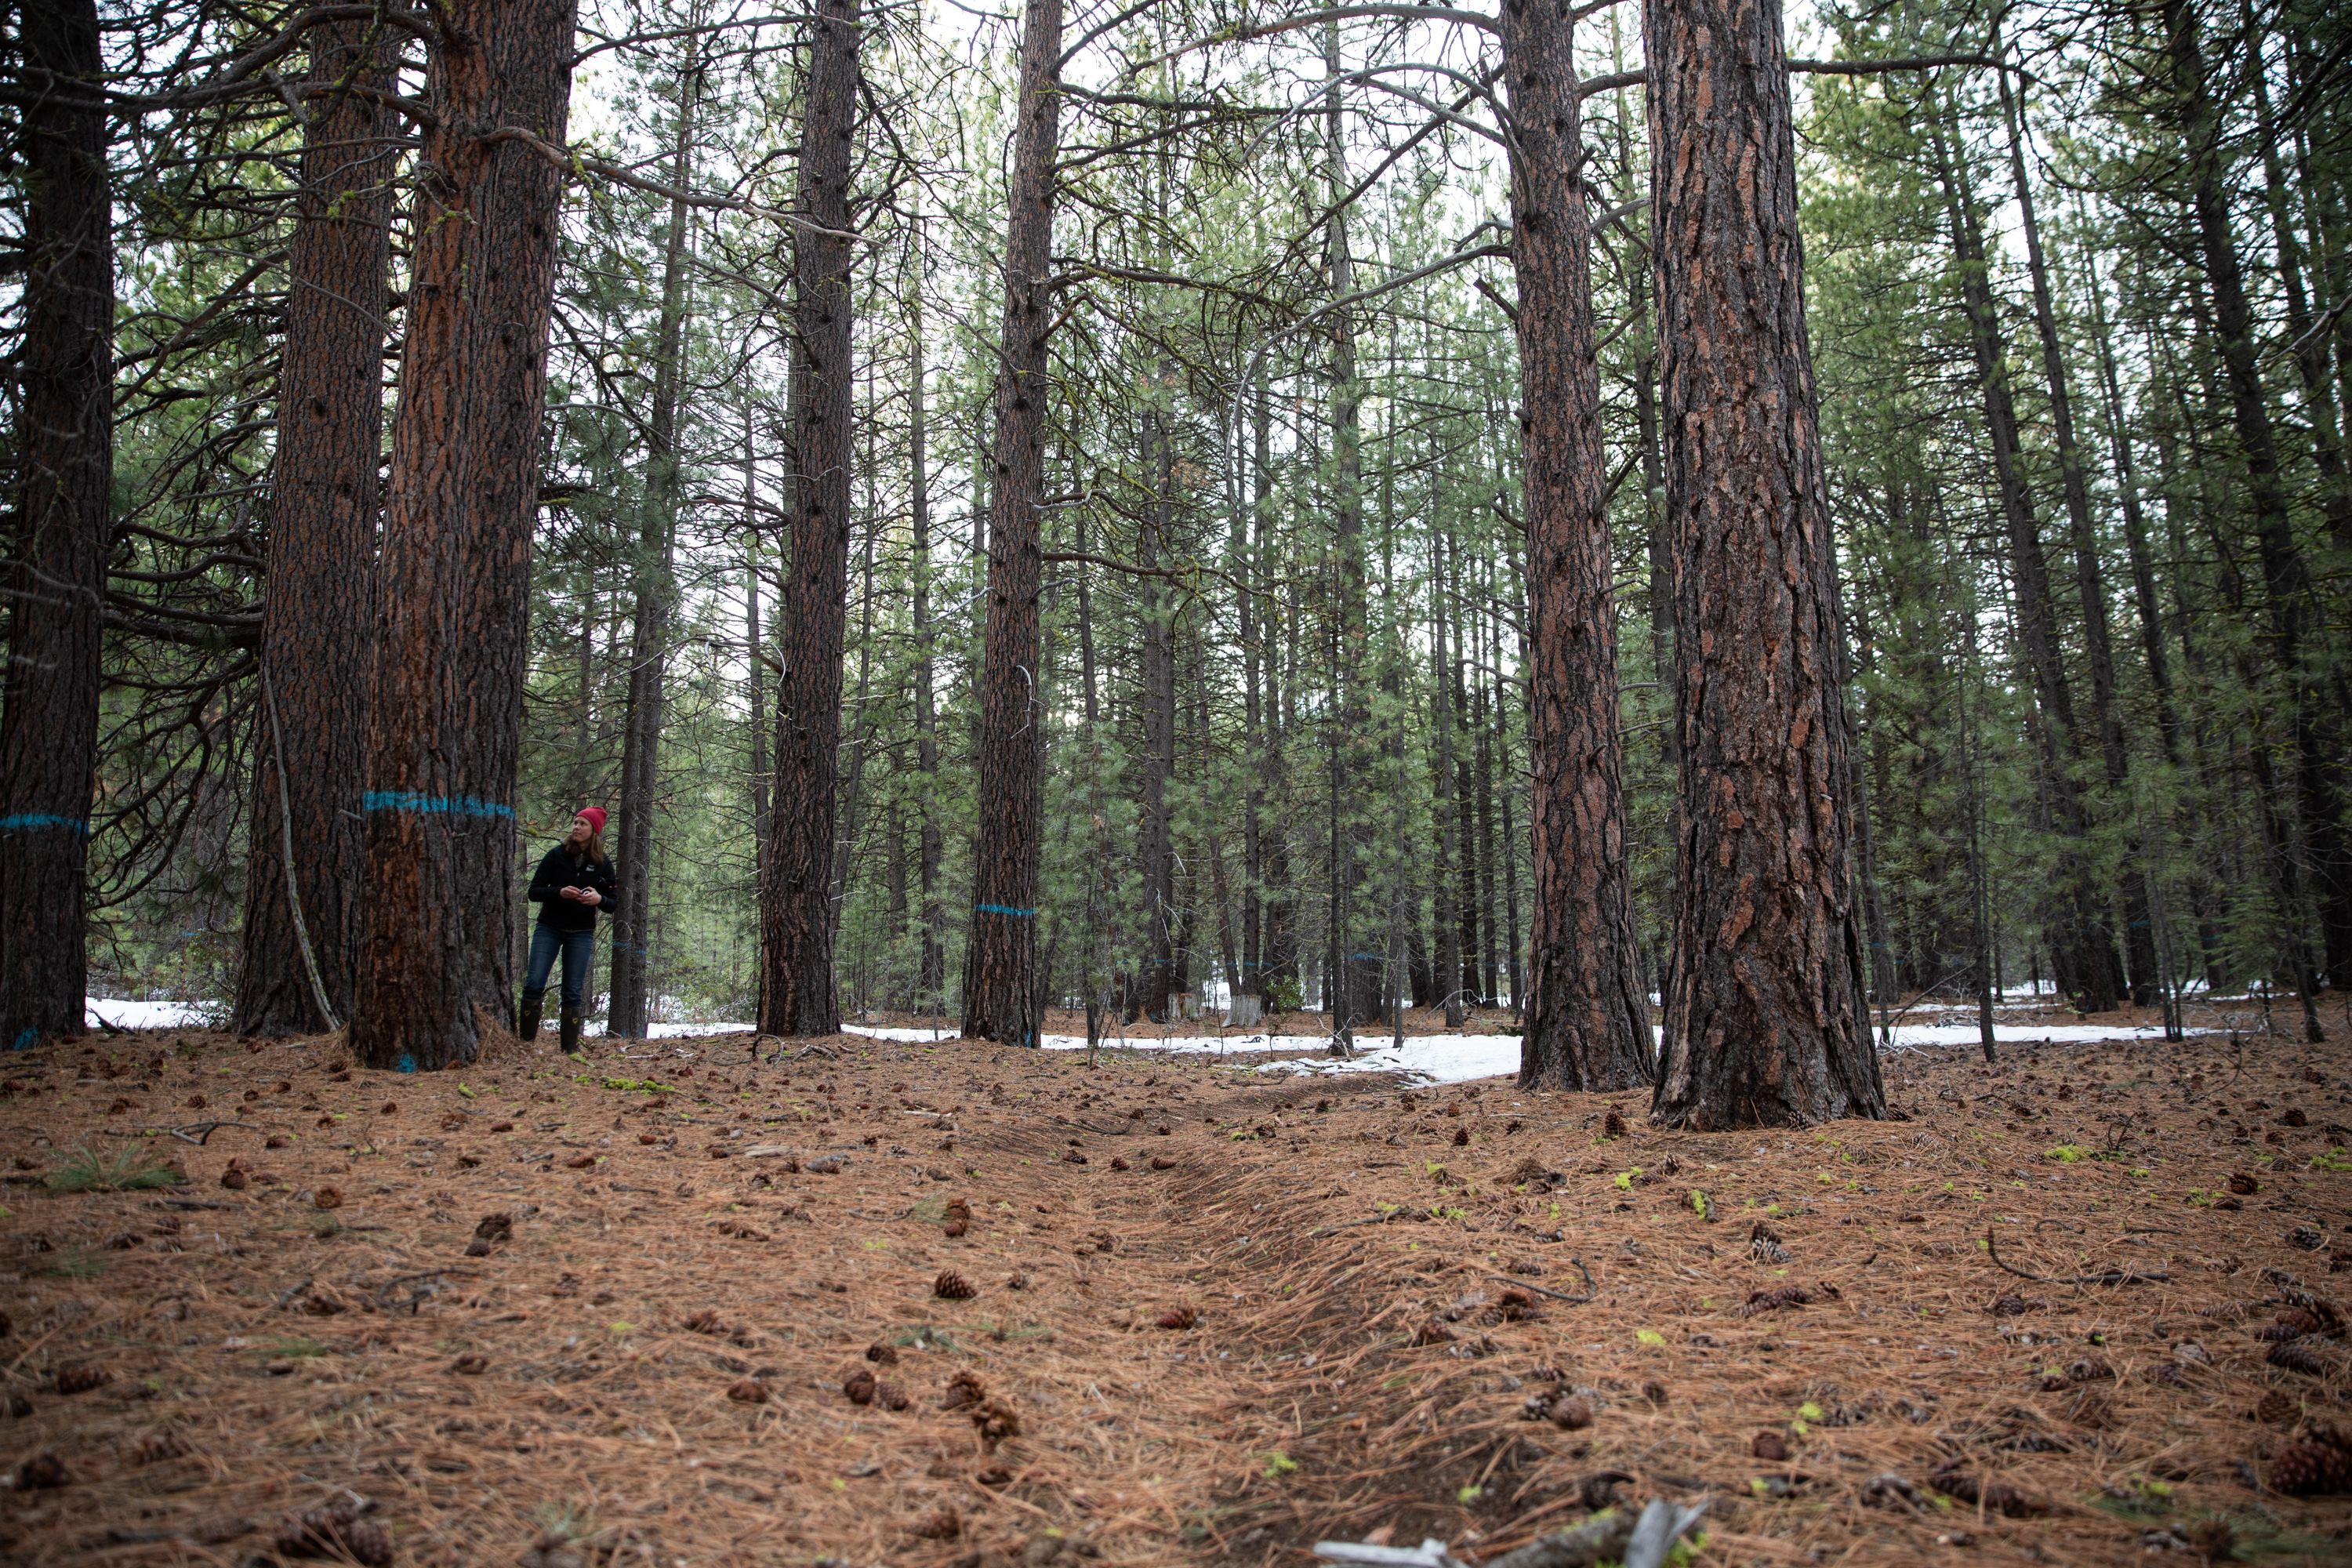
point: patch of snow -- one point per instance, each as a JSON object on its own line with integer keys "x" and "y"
{"x": 126, "y": 1013}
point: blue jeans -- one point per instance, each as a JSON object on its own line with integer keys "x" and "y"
{"x": 578, "y": 949}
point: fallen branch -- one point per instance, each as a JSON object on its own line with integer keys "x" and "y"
{"x": 200, "y": 1131}
{"x": 1591, "y": 1291}
{"x": 2112, "y": 1276}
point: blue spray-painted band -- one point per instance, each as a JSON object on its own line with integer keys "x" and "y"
{"x": 26, "y": 1040}
{"x": 31, "y": 822}
{"x": 407, "y": 1062}
{"x": 450, "y": 806}
{"x": 1005, "y": 910}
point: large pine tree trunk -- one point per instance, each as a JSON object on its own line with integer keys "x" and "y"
{"x": 1588, "y": 1017}
{"x": 1000, "y": 974}
{"x": 64, "y": 445}
{"x": 796, "y": 991}
{"x": 446, "y": 722}
{"x": 1765, "y": 1020}
{"x": 316, "y": 618}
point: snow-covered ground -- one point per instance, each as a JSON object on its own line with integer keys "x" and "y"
{"x": 1455, "y": 1058}
{"x": 1433, "y": 1058}
{"x": 125, "y": 1013}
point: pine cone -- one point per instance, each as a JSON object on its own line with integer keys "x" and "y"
{"x": 495, "y": 1227}
{"x": 2306, "y": 1238}
{"x": 882, "y": 1354}
{"x": 945, "y": 1525}
{"x": 748, "y": 1390}
{"x": 1613, "y": 1125}
{"x": 891, "y": 1396}
{"x": 81, "y": 1376}
{"x": 705, "y": 1323}
{"x": 1072, "y": 1157}
{"x": 158, "y": 1447}
{"x": 2295, "y": 1357}
{"x": 859, "y": 1386}
{"x": 1572, "y": 1413}
{"x": 960, "y": 1209}
{"x": 1770, "y": 1447}
{"x": 1162, "y": 1162}
{"x": 1432, "y": 1334}
{"x": 41, "y": 1472}
{"x": 2311, "y": 1470}
{"x": 2244, "y": 1186}
{"x": 952, "y": 1286}
{"x": 964, "y": 1388}
{"x": 330, "y": 1533}
{"x": 995, "y": 1421}
{"x": 1118, "y": 1163}
{"x": 955, "y": 1227}
{"x": 2276, "y": 1409}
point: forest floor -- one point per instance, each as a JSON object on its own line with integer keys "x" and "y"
{"x": 1217, "y": 1314}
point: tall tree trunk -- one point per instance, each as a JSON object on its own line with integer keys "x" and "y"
{"x": 1000, "y": 985}
{"x": 796, "y": 986}
{"x": 1442, "y": 793}
{"x": 2139, "y": 935}
{"x": 1357, "y": 979}
{"x": 2080, "y": 950}
{"x": 1764, "y": 1019}
{"x": 316, "y": 616}
{"x": 2327, "y": 797}
{"x": 628, "y": 1012}
{"x": 931, "y": 978}
{"x": 755, "y": 653}
{"x": 2320, "y": 790}
{"x": 446, "y": 717}
{"x": 1245, "y": 558}
{"x": 65, "y": 445}
{"x": 1158, "y": 671}
{"x": 1587, "y": 1026}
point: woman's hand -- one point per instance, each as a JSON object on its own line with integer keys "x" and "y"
{"x": 590, "y": 897}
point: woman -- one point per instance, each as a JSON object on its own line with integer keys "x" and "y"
{"x": 573, "y": 881}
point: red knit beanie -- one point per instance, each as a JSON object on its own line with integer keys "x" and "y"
{"x": 596, "y": 816}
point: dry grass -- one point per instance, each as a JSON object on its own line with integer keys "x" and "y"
{"x": 574, "y": 1383}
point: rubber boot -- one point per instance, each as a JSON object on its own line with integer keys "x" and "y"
{"x": 571, "y": 1027}
{"x": 527, "y": 1023}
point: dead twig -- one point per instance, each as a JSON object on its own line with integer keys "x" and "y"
{"x": 194, "y": 1132}
{"x": 2112, "y": 1276}
{"x": 1591, "y": 1289}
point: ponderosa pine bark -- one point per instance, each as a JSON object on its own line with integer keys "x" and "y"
{"x": 56, "y": 576}
{"x": 1001, "y": 985}
{"x": 318, "y": 617}
{"x": 437, "y": 925}
{"x": 1587, "y": 1016}
{"x": 1764, "y": 1019}
{"x": 797, "y": 992}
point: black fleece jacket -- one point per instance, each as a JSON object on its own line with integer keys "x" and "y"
{"x": 563, "y": 869}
